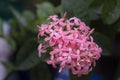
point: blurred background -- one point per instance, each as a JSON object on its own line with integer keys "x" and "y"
{"x": 18, "y": 37}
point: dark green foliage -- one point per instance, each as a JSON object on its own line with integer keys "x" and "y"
{"x": 24, "y": 41}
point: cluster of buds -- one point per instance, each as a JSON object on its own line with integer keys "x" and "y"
{"x": 72, "y": 45}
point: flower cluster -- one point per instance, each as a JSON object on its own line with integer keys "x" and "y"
{"x": 72, "y": 45}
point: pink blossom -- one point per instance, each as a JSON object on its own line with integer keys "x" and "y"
{"x": 72, "y": 45}
{"x": 54, "y": 18}
{"x": 41, "y": 49}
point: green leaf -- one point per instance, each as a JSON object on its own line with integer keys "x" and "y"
{"x": 40, "y": 72}
{"x": 44, "y": 10}
{"x": 11, "y": 42}
{"x": 27, "y": 56}
{"x": 45, "y": 57}
{"x": 31, "y": 61}
{"x": 79, "y": 9}
{"x": 9, "y": 66}
{"x": 22, "y": 21}
{"x": 104, "y": 42}
{"x": 28, "y": 15}
{"x": 86, "y": 10}
{"x": 95, "y": 9}
{"x": 111, "y": 11}
{"x": 0, "y": 27}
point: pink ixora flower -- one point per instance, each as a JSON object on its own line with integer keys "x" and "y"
{"x": 72, "y": 45}
{"x": 41, "y": 49}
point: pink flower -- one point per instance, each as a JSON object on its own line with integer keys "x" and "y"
{"x": 72, "y": 45}
{"x": 41, "y": 49}
{"x": 54, "y": 18}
